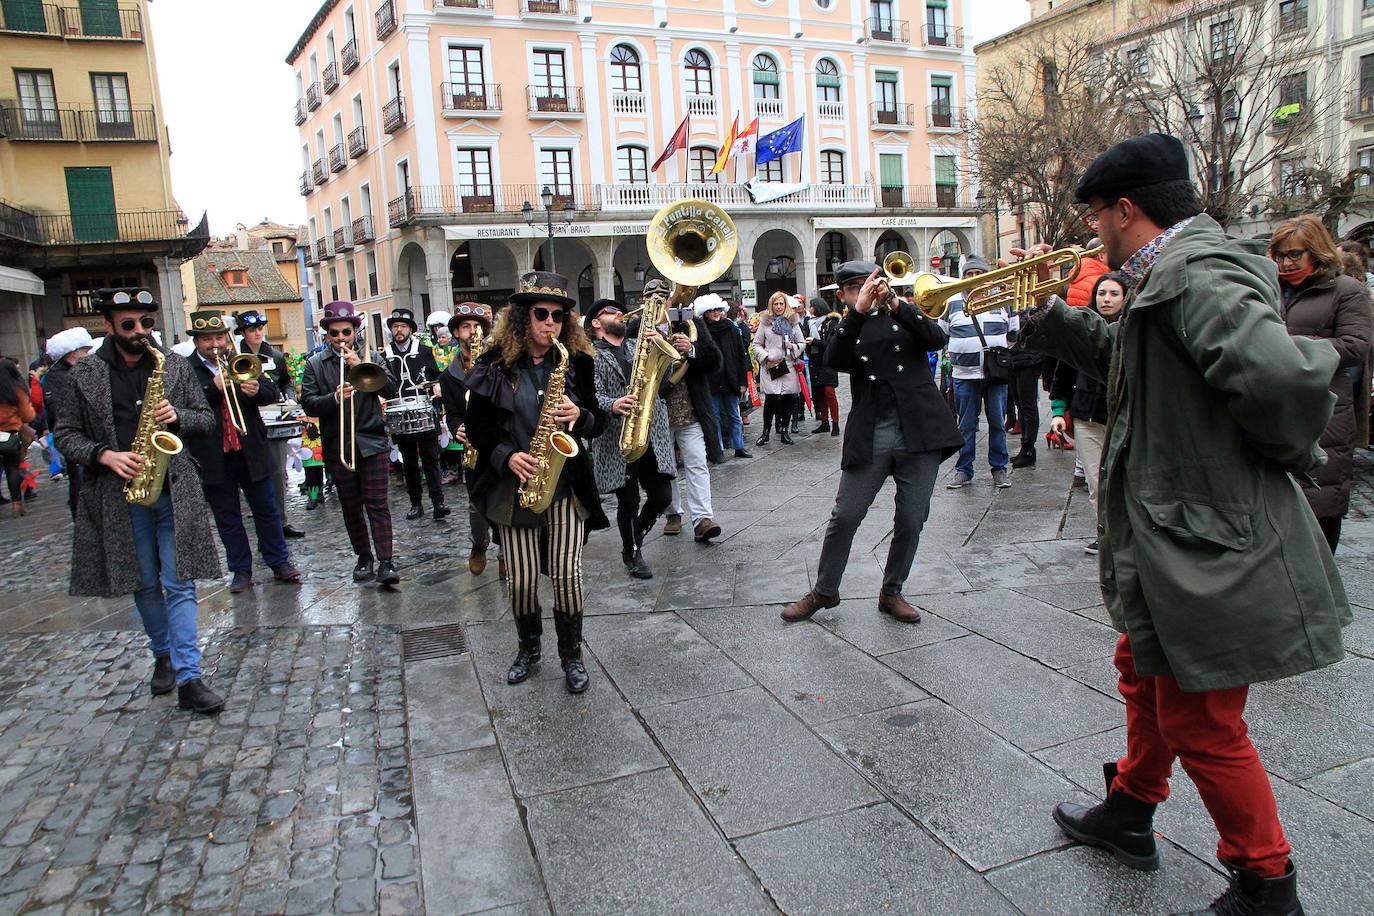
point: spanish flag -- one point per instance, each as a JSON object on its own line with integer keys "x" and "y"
{"x": 726, "y": 147}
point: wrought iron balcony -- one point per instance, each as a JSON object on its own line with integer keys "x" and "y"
{"x": 343, "y": 238}
{"x": 112, "y": 226}
{"x": 549, "y": 7}
{"x": 483, "y": 5}
{"x": 331, "y": 76}
{"x": 348, "y": 56}
{"x": 941, "y": 36}
{"x": 338, "y": 159}
{"x": 919, "y": 197}
{"x": 307, "y": 185}
{"x": 299, "y": 114}
{"x": 394, "y": 114}
{"x": 889, "y": 115}
{"x": 32, "y": 19}
{"x": 357, "y": 142}
{"x": 945, "y": 117}
{"x": 317, "y": 172}
{"x": 39, "y": 123}
{"x": 400, "y": 210}
{"x": 884, "y": 29}
{"x": 88, "y": 125}
{"x": 386, "y": 19}
{"x": 474, "y": 97}
{"x": 556, "y": 98}
{"x": 26, "y": 17}
{"x": 312, "y": 96}
{"x": 362, "y": 230}
{"x": 322, "y": 251}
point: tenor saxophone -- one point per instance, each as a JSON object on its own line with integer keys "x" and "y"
{"x": 654, "y": 357}
{"x": 154, "y": 444}
{"x": 549, "y": 446}
{"x": 474, "y": 351}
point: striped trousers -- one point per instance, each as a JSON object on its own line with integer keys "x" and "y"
{"x": 560, "y": 541}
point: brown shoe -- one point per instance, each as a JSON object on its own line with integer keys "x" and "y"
{"x": 706, "y": 529}
{"x": 807, "y": 605}
{"x": 673, "y": 525}
{"x": 477, "y": 560}
{"x": 501, "y": 568}
{"x": 899, "y": 608}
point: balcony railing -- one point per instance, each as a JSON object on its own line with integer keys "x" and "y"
{"x": 704, "y": 105}
{"x": 628, "y": 103}
{"x": 399, "y": 210}
{"x": 830, "y": 111}
{"x": 555, "y": 98}
{"x": 549, "y": 7}
{"x": 32, "y": 19}
{"x": 941, "y": 36}
{"x": 78, "y": 124}
{"x": 893, "y": 115}
{"x": 322, "y": 251}
{"x": 883, "y": 29}
{"x": 919, "y": 197}
{"x": 1360, "y": 104}
{"x": 312, "y": 96}
{"x": 54, "y": 21}
{"x": 394, "y": 114}
{"x": 945, "y": 117}
{"x": 470, "y": 96}
{"x": 769, "y": 109}
{"x": 317, "y": 172}
{"x": 338, "y": 159}
{"x": 343, "y": 238}
{"x": 386, "y": 19}
{"x": 331, "y": 76}
{"x": 484, "y": 5}
{"x": 307, "y": 185}
{"x": 299, "y": 114}
{"x": 78, "y": 228}
{"x": 362, "y": 230}
{"x": 348, "y": 56}
{"x": 1291, "y": 23}
{"x": 357, "y": 142}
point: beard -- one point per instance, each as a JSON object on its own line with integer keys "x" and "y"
{"x": 612, "y": 327}
{"x": 136, "y": 345}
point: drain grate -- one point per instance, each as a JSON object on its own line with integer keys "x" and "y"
{"x": 433, "y": 642}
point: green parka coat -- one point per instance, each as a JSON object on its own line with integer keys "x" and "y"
{"x": 1211, "y": 560}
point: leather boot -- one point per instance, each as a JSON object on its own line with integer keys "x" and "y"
{"x": 763, "y": 440}
{"x": 1121, "y": 824}
{"x": 164, "y": 676}
{"x": 1252, "y": 895}
{"x": 416, "y": 510}
{"x": 196, "y": 695}
{"x": 807, "y": 605}
{"x": 835, "y": 430}
{"x": 785, "y": 436}
{"x": 477, "y": 559}
{"x": 672, "y": 525}
{"x": 635, "y": 565}
{"x": 529, "y": 629}
{"x": 898, "y": 608}
{"x": 824, "y": 427}
{"x": 363, "y": 571}
{"x": 387, "y": 574}
{"x": 1024, "y": 458}
{"x": 570, "y": 650}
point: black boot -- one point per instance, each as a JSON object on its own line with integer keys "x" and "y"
{"x": 835, "y": 430}
{"x": 529, "y": 629}
{"x": 784, "y": 430}
{"x": 570, "y": 650}
{"x": 196, "y": 695}
{"x": 635, "y": 565}
{"x": 441, "y": 511}
{"x": 575, "y": 673}
{"x": 823, "y": 428}
{"x": 762, "y": 440}
{"x": 1251, "y": 895}
{"x": 387, "y": 574}
{"x": 416, "y": 510}
{"x": 1024, "y": 458}
{"x": 164, "y": 676}
{"x": 363, "y": 571}
{"x": 1121, "y": 824}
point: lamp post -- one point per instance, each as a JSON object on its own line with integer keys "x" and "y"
{"x": 982, "y": 200}
{"x": 547, "y": 198}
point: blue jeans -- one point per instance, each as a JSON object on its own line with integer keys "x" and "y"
{"x": 727, "y": 415}
{"x": 974, "y": 396}
{"x": 223, "y": 498}
{"x": 166, "y": 603}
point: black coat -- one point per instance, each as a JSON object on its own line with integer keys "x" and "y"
{"x": 1084, "y": 395}
{"x": 734, "y": 357}
{"x": 822, "y": 329}
{"x": 704, "y": 363}
{"x": 453, "y": 387}
{"x": 208, "y": 450}
{"x": 281, "y": 375}
{"x": 319, "y": 384}
{"x": 489, "y": 412}
{"x": 57, "y": 382}
{"x": 418, "y": 364}
{"x": 892, "y": 347}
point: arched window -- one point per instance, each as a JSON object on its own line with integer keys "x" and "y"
{"x": 832, "y": 167}
{"x": 625, "y": 70}
{"x": 697, "y": 67}
{"x": 766, "y": 81}
{"x": 631, "y": 165}
{"x": 827, "y": 80}
{"x": 700, "y": 161}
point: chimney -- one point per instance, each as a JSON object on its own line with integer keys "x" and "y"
{"x": 242, "y": 232}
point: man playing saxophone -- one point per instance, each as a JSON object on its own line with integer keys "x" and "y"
{"x": 534, "y": 345}
{"x": 154, "y": 552}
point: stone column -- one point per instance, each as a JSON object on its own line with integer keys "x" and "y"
{"x": 437, "y": 275}
{"x": 169, "y": 295}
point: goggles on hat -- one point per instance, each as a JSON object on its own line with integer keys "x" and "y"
{"x": 466, "y": 310}
{"x": 142, "y": 297}
{"x": 251, "y": 320}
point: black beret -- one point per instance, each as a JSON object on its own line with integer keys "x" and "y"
{"x": 854, "y": 270}
{"x": 1132, "y": 164}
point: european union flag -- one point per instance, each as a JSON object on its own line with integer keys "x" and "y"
{"x": 780, "y": 142}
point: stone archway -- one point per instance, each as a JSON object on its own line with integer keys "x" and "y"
{"x": 833, "y": 248}
{"x": 630, "y": 261}
{"x": 482, "y": 271}
{"x": 950, "y": 246}
{"x": 892, "y": 240}
{"x": 776, "y": 254}
{"x": 570, "y": 258}
{"x": 409, "y": 282}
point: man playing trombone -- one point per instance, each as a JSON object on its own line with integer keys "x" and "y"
{"x": 236, "y": 455}
{"x": 356, "y": 449}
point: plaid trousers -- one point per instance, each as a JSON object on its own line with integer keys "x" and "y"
{"x": 365, "y": 491}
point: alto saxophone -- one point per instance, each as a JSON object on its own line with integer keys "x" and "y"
{"x": 654, "y": 358}
{"x": 549, "y": 446}
{"x": 155, "y": 445}
{"x": 474, "y": 351}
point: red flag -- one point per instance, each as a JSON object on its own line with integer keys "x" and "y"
{"x": 677, "y": 142}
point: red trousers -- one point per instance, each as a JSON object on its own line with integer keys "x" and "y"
{"x": 1207, "y": 733}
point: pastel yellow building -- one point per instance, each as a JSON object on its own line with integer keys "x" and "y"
{"x": 427, "y": 127}
{"x": 85, "y": 185}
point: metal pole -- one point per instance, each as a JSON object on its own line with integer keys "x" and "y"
{"x": 548, "y": 214}
{"x": 996, "y": 232}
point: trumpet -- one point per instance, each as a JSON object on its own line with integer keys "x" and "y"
{"x": 897, "y": 269}
{"x": 235, "y": 370}
{"x": 368, "y": 378}
{"x": 1014, "y": 287}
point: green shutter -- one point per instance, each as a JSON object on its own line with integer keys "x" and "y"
{"x": 766, "y": 77}
{"x": 890, "y": 170}
{"x": 935, "y": 4}
{"x": 826, "y": 82}
{"x": 944, "y": 170}
{"x": 100, "y": 17}
{"x": 90, "y": 196}
{"x": 23, "y": 15}
{"x": 945, "y": 81}
{"x": 885, "y": 76}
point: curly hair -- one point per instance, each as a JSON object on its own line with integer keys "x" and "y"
{"x": 512, "y": 333}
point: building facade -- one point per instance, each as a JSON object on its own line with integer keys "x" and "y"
{"x": 428, "y": 126}
{"x": 85, "y": 185}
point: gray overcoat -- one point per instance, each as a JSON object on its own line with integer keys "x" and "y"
{"x": 606, "y": 458}
{"x": 104, "y": 562}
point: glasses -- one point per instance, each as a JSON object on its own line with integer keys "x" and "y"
{"x": 1292, "y": 254}
{"x": 142, "y": 297}
{"x": 339, "y": 332}
{"x": 609, "y": 311}
{"x": 147, "y": 323}
{"x": 542, "y": 314}
{"x": 1092, "y": 219}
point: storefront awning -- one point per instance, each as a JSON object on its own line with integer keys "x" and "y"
{"x": 15, "y": 280}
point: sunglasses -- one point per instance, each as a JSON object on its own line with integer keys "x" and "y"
{"x": 542, "y": 314}
{"x": 147, "y": 323}
{"x": 339, "y": 332}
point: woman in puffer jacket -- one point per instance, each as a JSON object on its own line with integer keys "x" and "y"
{"x": 778, "y": 344}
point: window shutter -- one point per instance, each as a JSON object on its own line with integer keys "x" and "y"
{"x": 890, "y": 170}
{"x": 945, "y": 81}
{"x": 766, "y": 77}
{"x": 885, "y": 76}
{"x": 945, "y": 171}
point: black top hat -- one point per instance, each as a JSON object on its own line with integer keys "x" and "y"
{"x": 124, "y": 299}
{"x": 250, "y": 319}
{"x": 405, "y": 316}
{"x": 206, "y": 323}
{"x": 470, "y": 311}
{"x": 542, "y": 286}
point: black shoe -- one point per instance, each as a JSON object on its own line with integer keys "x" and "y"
{"x": 363, "y": 571}
{"x": 1251, "y": 895}
{"x": 1024, "y": 458}
{"x": 525, "y": 660}
{"x": 636, "y": 567}
{"x": 741, "y": 453}
{"x": 311, "y": 504}
{"x": 785, "y": 436}
{"x": 1121, "y": 824}
{"x": 575, "y": 673}
{"x": 292, "y": 531}
{"x": 164, "y": 676}
{"x": 823, "y": 428}
{"x": 196, "y": 695}
{"x": 1091, "y": 548}
{"x": 835, "y": 430}
{"x": 442, "y": 511}
{"x": 762, "y": 440}
{"x": 416, "y": 510}
{"x": 387, "y": 574}
{"x": 242, "y": 581}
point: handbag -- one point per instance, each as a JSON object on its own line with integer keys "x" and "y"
{"x": 778, "y": 371}
{"x": 9, "y": 444}
{"x": 997, "y": 361}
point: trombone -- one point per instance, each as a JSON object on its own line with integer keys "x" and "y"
{"x": 235, "y": 371}
{"x": 366, "y": 377}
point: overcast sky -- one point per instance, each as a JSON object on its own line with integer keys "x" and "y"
{"x": 227, "y": 94}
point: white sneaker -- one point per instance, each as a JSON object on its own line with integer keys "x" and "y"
{"x": 960, "y": 481}
{"x": 1001, "y": 478}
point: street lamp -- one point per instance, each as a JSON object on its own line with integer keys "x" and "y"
{"x": 547, "y": 198}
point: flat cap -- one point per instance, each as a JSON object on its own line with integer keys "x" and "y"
{"x": 854, "y": 270}
{"x": 1132, "y": 164}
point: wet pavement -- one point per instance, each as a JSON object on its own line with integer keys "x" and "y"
{"x": 720, "y": 762}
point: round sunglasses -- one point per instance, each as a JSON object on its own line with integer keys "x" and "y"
{"x": 147, "y": 323}
{"x": 542, "y": 314}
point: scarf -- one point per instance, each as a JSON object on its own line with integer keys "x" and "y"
{"x": 1139, "y": 264}
{"x": 782, "y": 326}
{"x": 1296, "y": 276}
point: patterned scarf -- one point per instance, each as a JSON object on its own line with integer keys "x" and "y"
{"x": 782, "y": 326}
{"x": 1139, "y": 264}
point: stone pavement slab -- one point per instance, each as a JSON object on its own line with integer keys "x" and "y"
{"x": 1056, "y": 637}
{"x": 681, "y": 665}
{"x": 858, "y": 622}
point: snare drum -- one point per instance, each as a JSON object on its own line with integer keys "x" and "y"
{"x": 410, "y": 416}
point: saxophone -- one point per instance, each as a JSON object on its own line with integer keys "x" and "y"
{"x": 654, "y": 357}
{"x": 550, "y": 446}
{"x": 474, "y": 351}
{"x": 154, "y": 444}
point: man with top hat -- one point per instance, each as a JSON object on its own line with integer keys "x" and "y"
{"x": 153, "y": 552}
{"x": 507, "y": 386}
{"x": 361, "y": 488}
{"x": 252, "y": 328}
{"x": 898, "y": 428}
{"x": 1213, "y": 567}
{"x": 233, "y": 460}
{"x": 412, "y": 364}
{"x": 467, "y": 318}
